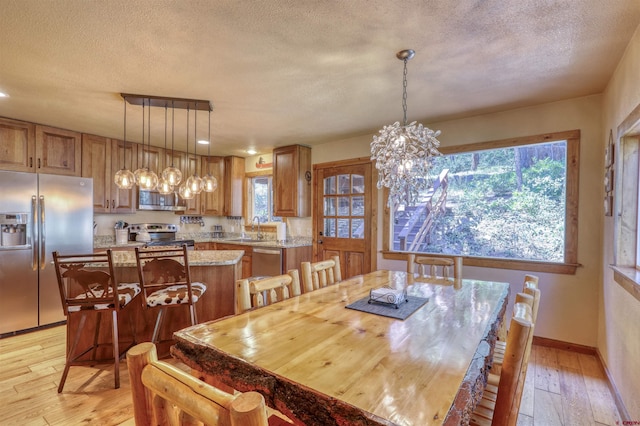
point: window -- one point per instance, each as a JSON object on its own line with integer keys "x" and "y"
{"x": 261, "y": 199}
{"x": 511, "y": 203}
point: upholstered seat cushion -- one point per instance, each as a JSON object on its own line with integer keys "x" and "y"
{"x": 176, "y": 294}
{"x": 126, "y": 293}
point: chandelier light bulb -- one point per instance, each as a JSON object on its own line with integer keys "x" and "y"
{"x": 164, "y": 187}
{"x": 172, "y": 175}
{"x": 195, "y": 184}
{"x": 185, "y": 192}
{"x": 209, "y": 183}
{"x": 124, "y": 179}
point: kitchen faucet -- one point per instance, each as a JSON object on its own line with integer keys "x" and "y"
{"x": 259, "y": 236}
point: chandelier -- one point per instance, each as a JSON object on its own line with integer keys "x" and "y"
{"x": 170, "y": 178}
{"x": 403, "y": 152}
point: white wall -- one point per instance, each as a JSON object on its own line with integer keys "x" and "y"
{"x": 619, "y": 312}
{"x": 568, "y": 309}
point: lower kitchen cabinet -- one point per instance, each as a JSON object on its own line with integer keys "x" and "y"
{"x": 246, "y": 259}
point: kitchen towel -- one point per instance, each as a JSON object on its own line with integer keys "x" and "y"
{"x": 281, "y": 231}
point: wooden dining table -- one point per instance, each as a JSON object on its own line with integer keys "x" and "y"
{"x": 320, "y": 363}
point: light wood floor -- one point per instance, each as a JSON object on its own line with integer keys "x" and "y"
{"x": 562, "y": 387}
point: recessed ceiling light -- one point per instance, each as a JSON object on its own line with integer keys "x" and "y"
{"x": 3, "y": 95}
{"x": 252, "y": 152}
{"x": 203, "y": 142}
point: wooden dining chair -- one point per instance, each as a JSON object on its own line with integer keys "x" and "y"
{"x": 255, "y": 293}
{"x": 500, "y": 402}
{"x": 165, "y": 395}
{"x": 435, "y": 267}
{"x": 89, "y": 288}
{"x": 166, "y": 283}
{"x": 320, "y": 274}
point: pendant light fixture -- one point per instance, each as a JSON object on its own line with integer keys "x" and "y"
{"x": 124, "y": 178}
{"x": 172, "y": 174}
{"x": 403, "y": 153}
{"x": 209, "y": 182}
{"x": 148, "y": 180}
{"x": 185, "y": 191}
{"x": 164, "y": 186}
{"x": 195, "y": 182}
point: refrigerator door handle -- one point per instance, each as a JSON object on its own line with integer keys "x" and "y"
{"x": 43, "y": 250}
{"x": 34, "y": 235}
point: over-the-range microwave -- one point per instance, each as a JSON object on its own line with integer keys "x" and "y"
{"x": 153, "y": 200}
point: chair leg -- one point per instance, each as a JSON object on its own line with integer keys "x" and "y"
{"x": 96, "y": 335}
{"x": 156, "y": 330}
{"x": 116, "y": 349}
{"x": 194, "y": 315}
{"x": 72, "y": 350}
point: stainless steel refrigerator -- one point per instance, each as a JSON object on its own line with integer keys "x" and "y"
{"x": 39, "y": 214}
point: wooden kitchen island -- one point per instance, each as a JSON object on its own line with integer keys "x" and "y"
{"x": 218, "y": 269}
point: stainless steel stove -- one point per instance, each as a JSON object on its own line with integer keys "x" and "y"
{"x": 160, "y": 234}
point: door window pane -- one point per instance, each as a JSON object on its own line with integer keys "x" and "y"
{"x": 357, "y": 184}
{"x": 329, "y": 227}
{"x": 343, "y": 206}
{"x": 357, "y": 206}
{"x": 330, "y": 185}
{"x": 344, "y": 184}
{"x": 330, "y": 206}
{"x": 357, "y": 228}
{"x": 343, "y": 228}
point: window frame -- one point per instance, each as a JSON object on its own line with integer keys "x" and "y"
{"x": 249, "y": 197}
{"x": 570, "y": 263}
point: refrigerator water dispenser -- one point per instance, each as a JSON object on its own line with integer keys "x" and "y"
{"x": 13, "y": 229}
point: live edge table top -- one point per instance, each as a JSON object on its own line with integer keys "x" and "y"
{"x": 320, "y": 363}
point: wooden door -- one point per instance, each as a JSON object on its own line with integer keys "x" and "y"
{"x": 58, "y": 151}
{"x": 233, "y": 184}
{"x": 345, "y": 222}
{"x": 17, "y": 145}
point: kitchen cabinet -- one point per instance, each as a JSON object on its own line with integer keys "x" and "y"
{"x": 101, "y": 160}
{"x": 212, "y": 203}
{"x": 151, "y": 157}
{"x": 292, "y": 181}
{"x": 204, "y": 246}
{"x": 233, "y": 185}
{"x": 294, "y": 256}
{"x": 17, "y": 145}
{"x": 191, "y": 165}
{"x": 58, "y": 151}
{"x": 246, "y": 258}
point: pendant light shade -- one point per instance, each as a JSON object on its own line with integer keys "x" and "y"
{"x": 164, "y": 185}
{"x": 209, "y": 182}
{"x": 172, "y": 174}
{"x": 124, "y": 178}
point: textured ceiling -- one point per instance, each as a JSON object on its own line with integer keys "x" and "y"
{"x": 294, "y": 71}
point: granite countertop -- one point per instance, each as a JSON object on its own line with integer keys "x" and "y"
{"x": 108, "y": 241}
{"x": 127, "y": 258}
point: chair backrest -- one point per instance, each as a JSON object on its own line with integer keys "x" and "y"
{"x": 159, "y": 268}
{"x": 86, "y": 281}
{"x": 265, "y": 291}
{"x": 514, "y": 366}
{"x": 320, "y": 274}
{"x": 428, "y": 266}
{"x": 534, "y": 292}
{"x": 163, "y": 394}
{"x": 530, "y": 281}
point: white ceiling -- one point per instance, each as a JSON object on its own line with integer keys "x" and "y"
{"x": 296, "y": 71}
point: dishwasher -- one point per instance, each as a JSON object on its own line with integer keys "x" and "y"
{"x": 266, "y": 262}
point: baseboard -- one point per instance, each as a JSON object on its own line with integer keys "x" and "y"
{"x": 614, "y": 391}
{"x": 557, "y": 344}
{"x": 588, "y": 350}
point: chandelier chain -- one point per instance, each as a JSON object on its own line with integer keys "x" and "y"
{"x": 404, "y": 93}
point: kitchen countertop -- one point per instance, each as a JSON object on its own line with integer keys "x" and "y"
{"x": 108, "y": 241}
{"x": 127, "y": 258}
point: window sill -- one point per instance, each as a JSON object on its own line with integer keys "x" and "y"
{"x": 628, "y": 278}
{"x": 519, "y": 265}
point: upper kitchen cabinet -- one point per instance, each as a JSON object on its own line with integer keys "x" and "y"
{"x": 151, "y": 157}
{"x": 213, "y": 202}
{"x": 233, "y": 184}
{"x": 58, "y": 151}
{"x": 191, "y": 165}
{"x": 292, "y": 181}
{"x": 101, "y": 160}
{"x": 17, "y": 145}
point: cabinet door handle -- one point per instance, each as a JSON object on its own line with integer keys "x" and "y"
{"x": 38, "y": 163}
{"x": 113, "y": 204}
{"x": 30, "y": 161}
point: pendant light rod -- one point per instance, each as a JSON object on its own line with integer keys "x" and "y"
{"x": 124, "y": 136}
{"x": 160, "y": 101}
